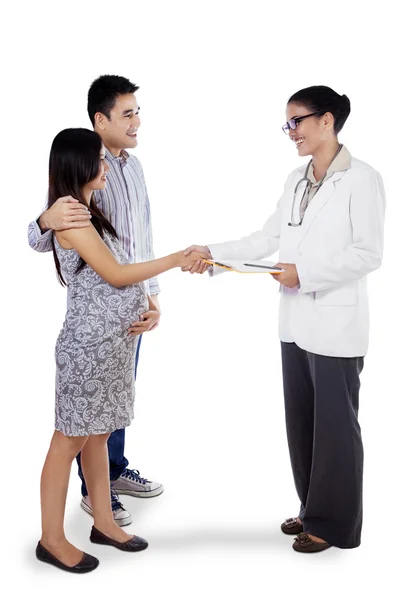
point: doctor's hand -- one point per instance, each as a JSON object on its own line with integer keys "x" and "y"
{"x": 199, "y": 267}
{"x": 289, "y": 278}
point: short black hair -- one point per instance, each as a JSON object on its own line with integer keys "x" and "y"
{"x": 104, "y": 91}
{"x": 322, "y": 99}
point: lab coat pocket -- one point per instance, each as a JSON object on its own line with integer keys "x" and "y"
{"x": 345, "y": 295}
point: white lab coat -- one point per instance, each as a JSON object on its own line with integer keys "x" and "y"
{"x": 339, "y": 242}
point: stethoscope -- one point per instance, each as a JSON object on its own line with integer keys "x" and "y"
{"x": 307, "y": 189}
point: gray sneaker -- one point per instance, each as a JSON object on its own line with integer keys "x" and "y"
{"x": 121, "y": 516}
{"x": 131, "y": 483}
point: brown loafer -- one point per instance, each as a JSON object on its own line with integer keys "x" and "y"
{"x": 292, "y": 527}
{"x": 303, "y": 543}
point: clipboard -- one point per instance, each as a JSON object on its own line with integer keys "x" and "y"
{"x": 246, "y": 266}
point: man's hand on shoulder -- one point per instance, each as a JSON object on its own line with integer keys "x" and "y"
{"x": 66, "y": 213}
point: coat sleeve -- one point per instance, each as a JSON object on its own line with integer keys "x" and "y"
{"x": 257, "y": 245}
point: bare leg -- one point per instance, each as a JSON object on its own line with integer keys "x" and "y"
{"x": 95, "y": 467}
{"x": 53, "y": 491}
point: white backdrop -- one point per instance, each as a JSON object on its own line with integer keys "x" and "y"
{"x": 214, "y": 80}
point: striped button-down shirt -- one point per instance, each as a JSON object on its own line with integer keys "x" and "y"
{"x": 125, "y": 203}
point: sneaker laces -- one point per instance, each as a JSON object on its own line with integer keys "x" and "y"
{"x": 134, "y": 474}
{"x": 115, "y": 503}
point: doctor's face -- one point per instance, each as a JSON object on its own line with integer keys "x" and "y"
{"x": 310, "y": 132}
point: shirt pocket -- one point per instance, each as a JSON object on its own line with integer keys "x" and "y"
{"x": 344, "y": 295}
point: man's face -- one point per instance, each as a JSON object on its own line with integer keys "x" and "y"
{"x": 120, "y": 131}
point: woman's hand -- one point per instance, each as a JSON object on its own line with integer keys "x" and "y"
{"x": 188, "y": 261}
{"x": 289, "y": 278}
{"x": 199, "y": 266}
{"x": 147, "y": 321}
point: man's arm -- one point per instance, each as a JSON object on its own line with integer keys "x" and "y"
{"x": 154, "y": 287}
{"x": 156, "y": 303}
{"x": 39, "y": 240}
{"x": 66, "y": 212}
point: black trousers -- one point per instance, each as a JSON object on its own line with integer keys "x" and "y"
{"x": 325, "y": 446}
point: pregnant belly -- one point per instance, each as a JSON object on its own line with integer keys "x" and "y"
{"x": 98, "y": 318}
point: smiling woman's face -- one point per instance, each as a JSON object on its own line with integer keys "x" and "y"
{"x": 100, "y": 181}
{"x": 311, "y": 132}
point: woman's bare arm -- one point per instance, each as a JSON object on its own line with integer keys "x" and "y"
{"x": 89, "y": 245}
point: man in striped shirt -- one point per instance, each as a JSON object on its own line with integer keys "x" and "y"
{"x": 114, "y": 113}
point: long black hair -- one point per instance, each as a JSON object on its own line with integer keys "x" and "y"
{"x": 74, "y": 162}
{"x": 322, "y": 99}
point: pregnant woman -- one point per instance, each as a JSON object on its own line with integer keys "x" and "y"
{"x": 95, "y": 356}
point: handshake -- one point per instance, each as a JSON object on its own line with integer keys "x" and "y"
{"x": 192, "y": 259}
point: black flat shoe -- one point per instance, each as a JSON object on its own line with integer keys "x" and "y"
{"x": 303, "y": 543}
{"x": 85, "y": 565}
{"x": 135, "y": 544}
{"x": 292, "y": 527}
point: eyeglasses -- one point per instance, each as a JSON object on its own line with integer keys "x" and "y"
{"x": 292, "y": 124}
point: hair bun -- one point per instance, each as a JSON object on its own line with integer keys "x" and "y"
{"x": 320, "y": 98}
{"x": 345, "y": 102}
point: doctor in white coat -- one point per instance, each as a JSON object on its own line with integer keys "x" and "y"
{"x": 328, "y": 227}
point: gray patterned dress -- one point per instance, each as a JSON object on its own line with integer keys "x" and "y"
{"x": 95, "y": 357}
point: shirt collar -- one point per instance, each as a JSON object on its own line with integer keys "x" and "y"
{"x": 342, "y": 162}
{"x": 123, "y": 156}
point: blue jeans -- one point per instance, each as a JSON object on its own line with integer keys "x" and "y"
{"x": 116, "y": 446}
